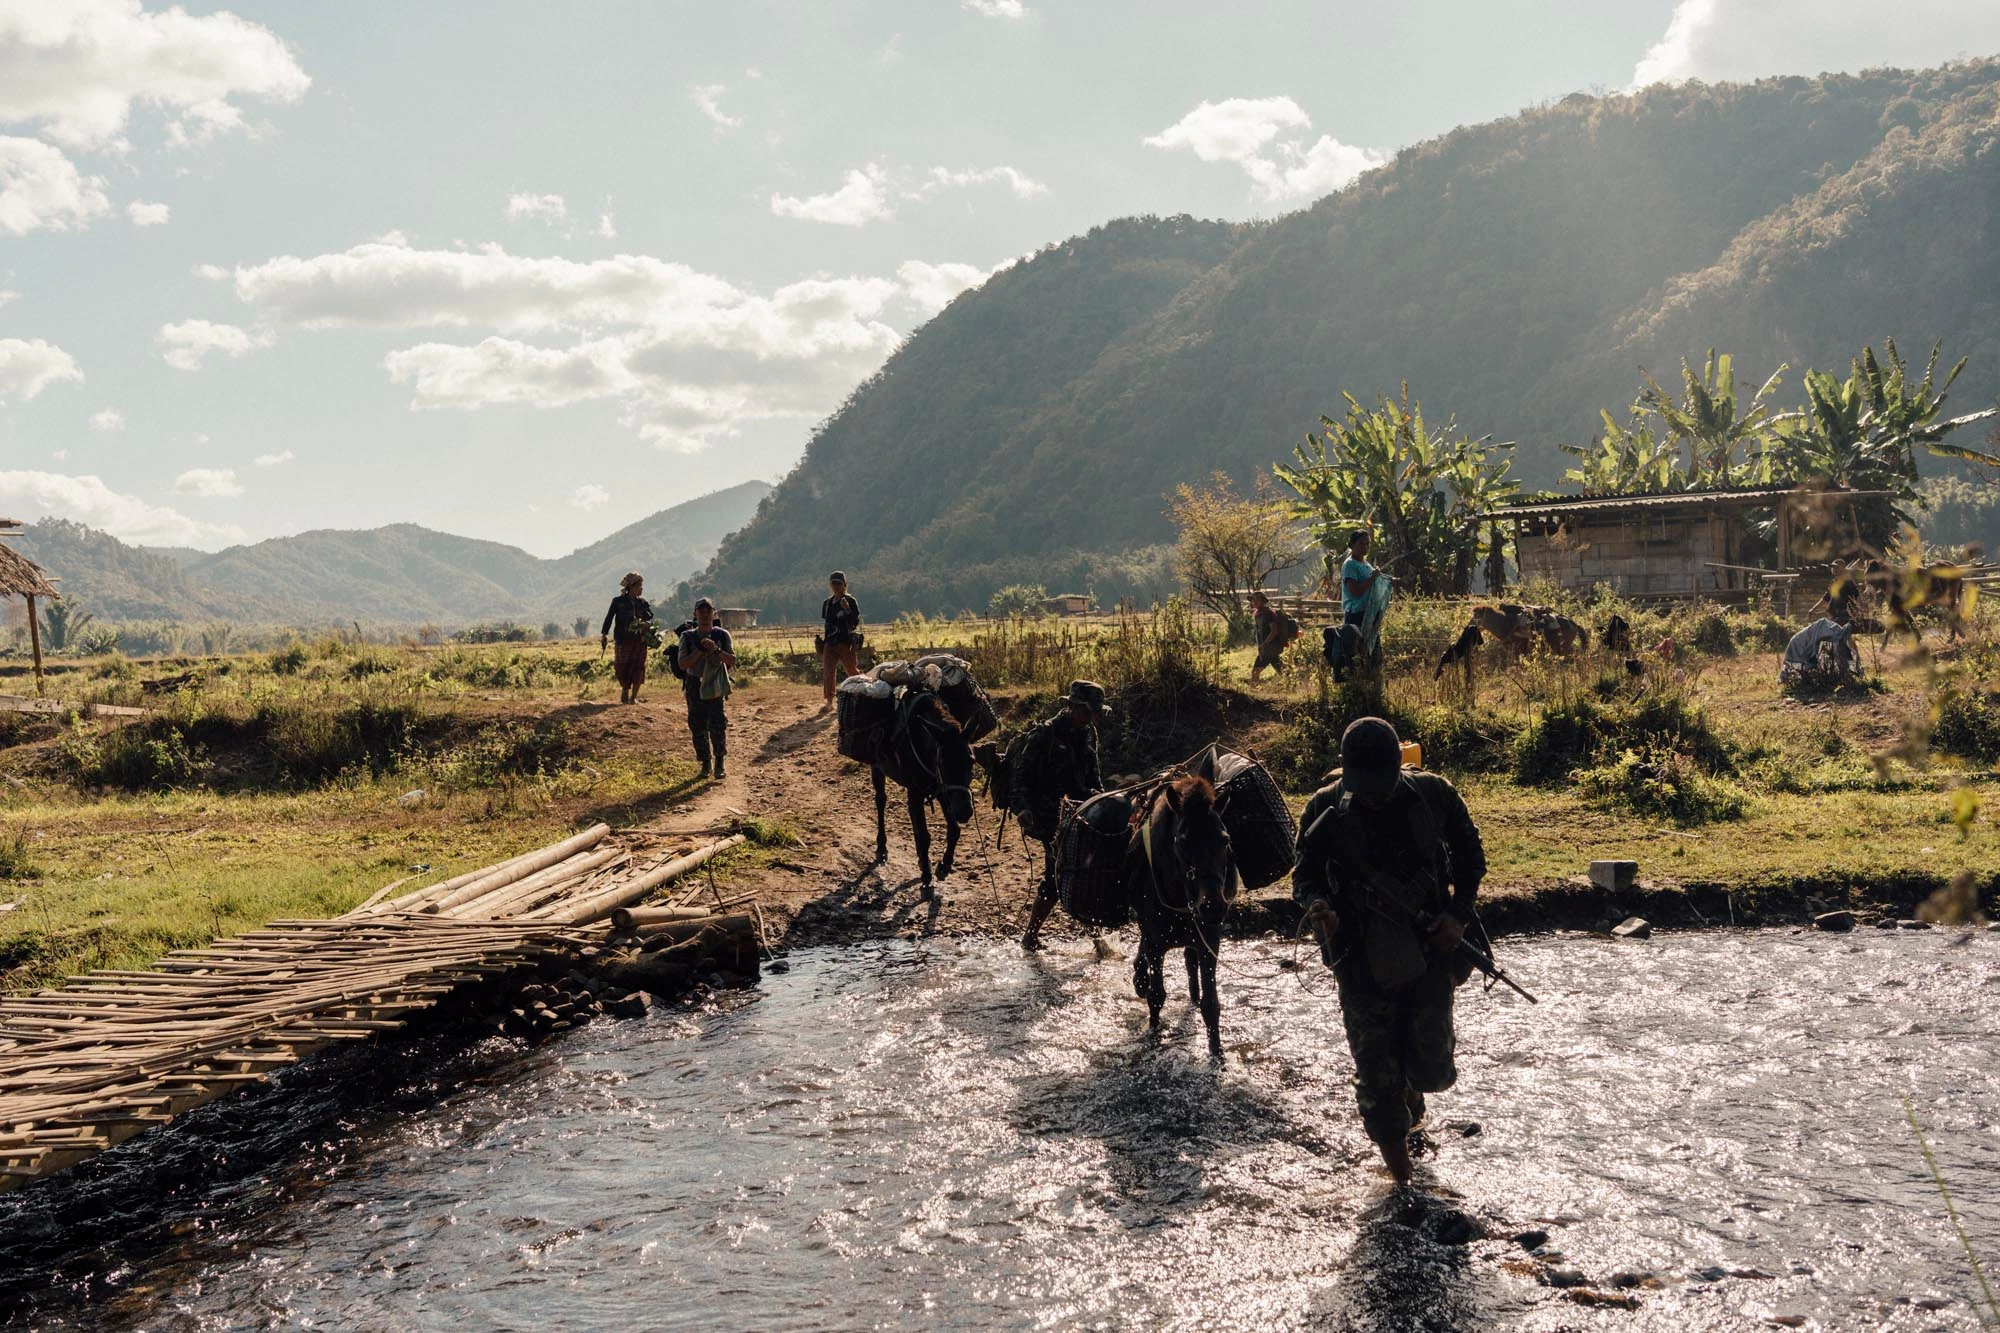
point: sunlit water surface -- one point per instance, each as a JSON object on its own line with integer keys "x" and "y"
{"x": 955, "y": 1135}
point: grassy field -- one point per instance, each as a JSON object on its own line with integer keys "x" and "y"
{"x": 296, "y": 782}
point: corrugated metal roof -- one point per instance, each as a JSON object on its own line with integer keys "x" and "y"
{"x": 1669, "y": 500}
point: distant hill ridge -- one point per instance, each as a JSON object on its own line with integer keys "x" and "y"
{"x": 402, "y": 574}
{"x": 1518, "y": 274}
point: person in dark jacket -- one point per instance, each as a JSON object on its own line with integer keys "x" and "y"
{"x": 707, "y": 655}
{"x": 840, "y": 635}
{"x": 1065, "y": 766}
{"x": 1389, "y": 864}
{"x": 624, "y": 627}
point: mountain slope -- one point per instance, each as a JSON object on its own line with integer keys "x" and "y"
{"x": 1518, "y": 273}
{"x": 402, "y": 574}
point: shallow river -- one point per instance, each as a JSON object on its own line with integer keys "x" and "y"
{"x": 958, "y": 1136}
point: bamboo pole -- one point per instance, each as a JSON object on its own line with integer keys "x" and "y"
{"x": 498, "y": 904}
{"x": 631, "y": 918}
{"x": 35, "y": 642}
{"x": 634, "y": 889}
{"x": 520, "y": 869}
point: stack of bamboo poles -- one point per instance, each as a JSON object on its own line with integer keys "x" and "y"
{"x": 108, "y": 1055}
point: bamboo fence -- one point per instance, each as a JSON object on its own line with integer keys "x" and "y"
{"x": 109, "y": 1055}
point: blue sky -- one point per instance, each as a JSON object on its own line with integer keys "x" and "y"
{"x": 530, "y": 271}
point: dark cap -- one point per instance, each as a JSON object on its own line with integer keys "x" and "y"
{"x": 1371, "y": 757}
{"x": 701, "y": 602}
{"x": 1088, "y": 694}
{"x": 836, "y": 577}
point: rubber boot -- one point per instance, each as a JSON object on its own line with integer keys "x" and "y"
{"x": 721, "y": 752}
{"x": 701, "y": 752}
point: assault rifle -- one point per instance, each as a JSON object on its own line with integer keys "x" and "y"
{"x": 1484, "y": 962}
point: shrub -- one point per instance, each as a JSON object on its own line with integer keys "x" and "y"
{"x": 1559, "y": 739}
{"x": 1666, "y": 784}
{"x": 1017, "y": 599}
{"x": 1966, "y": 724}
{"x": 15, "y": 863}
{"x": 291, "y": 660}
{"x": 1711, "y": 635}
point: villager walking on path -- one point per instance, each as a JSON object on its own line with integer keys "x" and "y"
{"x": 1389, "y": 865}
{"x": 626, "y": 627}
{"x": 707, "y": 656}
{"x": 1274, "y": 633}
{"x": 840, "y": 635}
{"x": 1059, "y": 760}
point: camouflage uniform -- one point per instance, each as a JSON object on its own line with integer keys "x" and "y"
{"x": 1384, "y": 869}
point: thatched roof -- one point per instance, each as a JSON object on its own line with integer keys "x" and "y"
{"x": 22, "y": 577}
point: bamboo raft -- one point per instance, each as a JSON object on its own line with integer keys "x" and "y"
{"x": 111, "y": 1054}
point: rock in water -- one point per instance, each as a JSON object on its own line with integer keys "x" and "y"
{"x": 1914, "y": 925}
{"x": 1633, "y": 928}
{"x": 1834, "y": 921}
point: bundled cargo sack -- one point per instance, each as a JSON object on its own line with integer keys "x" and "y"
{"x": 1261, "y": 829}
{"x": 961, "y": 694}
{"x": 866, "y": 715}
{"x": 1090, "y": 859}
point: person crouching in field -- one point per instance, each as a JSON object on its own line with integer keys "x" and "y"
{"x": 625, "y": 626}
{"x": 707, "y": 654}
{"x": 840, "y": 635}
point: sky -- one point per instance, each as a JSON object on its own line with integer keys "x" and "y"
{"x": 530, "y": 272}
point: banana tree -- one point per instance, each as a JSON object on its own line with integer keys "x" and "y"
{"x": 1626, "y": 460}
{"x": 1714, "y": 425}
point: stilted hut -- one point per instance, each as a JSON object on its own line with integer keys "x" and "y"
{"x": 22, "y": 577}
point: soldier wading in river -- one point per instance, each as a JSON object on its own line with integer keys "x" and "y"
{"x": 1389, "y": 863}
{"x": 1058, "y": 759}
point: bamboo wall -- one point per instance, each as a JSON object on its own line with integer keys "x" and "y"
{"x": 1638, "y": 555}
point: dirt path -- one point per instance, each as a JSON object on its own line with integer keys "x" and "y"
{"x": 783, "y": 765}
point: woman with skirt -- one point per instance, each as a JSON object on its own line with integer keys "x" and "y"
{"x": 625, "y": 628}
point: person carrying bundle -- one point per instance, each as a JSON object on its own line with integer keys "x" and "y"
{"x": 1389, "y": 865}
{"x": 628, "y": 625}
{"x": 1058, "y": 759}
{"x": 707, "y": 655}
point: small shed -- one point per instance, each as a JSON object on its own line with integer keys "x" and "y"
{"x": 733, "y": 618}
{"x": 1068, "y": 604}
{"x": 22, "y": 577}
{"x": 1719, "y": 544}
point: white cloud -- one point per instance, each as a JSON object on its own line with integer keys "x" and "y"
{"x": 502, "y": 370}
{"x": 590, "y": 496}
{"x": 76, "y": 67}
{"x": 107, "y": 419}
{"x": 1749, "y": 39}
{"x": 29, "y": 365}
{"x": 274, "y": 460}
{"x": 863, "y": 197}
{"x": 89, "y": 501}
{"x": 942, "y": 178}
{"x": 688, "y": 357}
{"x": 607, "y": 226}
{"x": 60, "y": 455}
{"x": 549, "y": 208}
{"x": 147, "y": 215}
{"x": 41, "y": 190}
{"x": 187, "y": 344}
{"x": 709, "y": 98}
{"x": 931, "y": 287}
{"x": 1260, "y": 134}
{"x": 8, "y": 294}
{"x": 998, "y": 9}
{"x": 209, "y": 483}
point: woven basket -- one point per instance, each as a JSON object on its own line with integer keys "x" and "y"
{"x": 1261, "y": 829}
{"x": 1090, "y": 859}
{"x": 864, "y": 725}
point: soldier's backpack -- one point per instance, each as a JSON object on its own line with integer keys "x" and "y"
{"x": 1019, "y": 769}
{"x": 1288, "y": 629}
{"x": 674, "y": 649}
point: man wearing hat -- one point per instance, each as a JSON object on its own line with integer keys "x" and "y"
{"x": 707, "y": 654}
{"x": 1065, "y": 766}
{"x": 1389, "y": 864}
{"x": 840, "y": 637}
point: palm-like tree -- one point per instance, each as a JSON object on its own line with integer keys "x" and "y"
{"x": 1708, "y": 421}
{"x": 1626, "y": 460}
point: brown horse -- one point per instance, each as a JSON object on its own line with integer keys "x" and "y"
{"x": 1181, "y": 877}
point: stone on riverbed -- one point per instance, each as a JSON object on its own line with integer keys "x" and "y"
{"x": 1633, "y": 928}
{"x": 1834, "y": 921}
{"x": 1914, "y": 925}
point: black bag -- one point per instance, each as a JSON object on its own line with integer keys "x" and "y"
{"x": 1262, "y": 832}
{"x": 969, "y": 704}
{"x": 1090, "y": 859}
{"x": 1020, "y": 769}
{"x": 674, "y": 650}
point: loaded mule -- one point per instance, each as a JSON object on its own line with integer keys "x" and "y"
{"x": 1181, "y": 879}
{"x": 927, "y": 754}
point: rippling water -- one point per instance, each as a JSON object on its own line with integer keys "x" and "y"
{"x": 956, "y": 1135}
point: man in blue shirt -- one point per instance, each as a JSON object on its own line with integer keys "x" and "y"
{"x": 1357, "y": 578}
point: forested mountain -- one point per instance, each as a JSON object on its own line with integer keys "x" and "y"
{"x": 1518, "y": 274}
{"x": 402, "y": 574}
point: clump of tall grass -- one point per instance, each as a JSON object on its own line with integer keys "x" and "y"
{"x": 1965, "y": 723}
{"x": 1664, "y": 783}
{"x": 15, "y": 860}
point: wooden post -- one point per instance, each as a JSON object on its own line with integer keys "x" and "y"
{"x": 35, "y": 641}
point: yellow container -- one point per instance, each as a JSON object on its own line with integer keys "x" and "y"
{"x": 1413, "y": 755}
